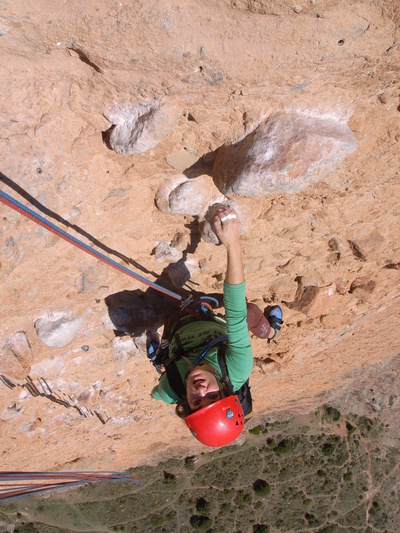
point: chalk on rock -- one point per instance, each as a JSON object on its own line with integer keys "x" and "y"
{"x": 286, "y": 153}
{"x": 59, "y": 328}
{"x": 141, "y": 126}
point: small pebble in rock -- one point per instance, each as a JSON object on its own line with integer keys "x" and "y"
{"x": 85, "y": 348}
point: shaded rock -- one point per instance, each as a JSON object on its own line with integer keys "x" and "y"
{"x": 141, "y": 126}
{"x": 363, "y": 283}
{"x": 180, "y": 273}
{"x": 59, "y": 328}
{"x": 313, "y": 301}
{"x": 185, "y": 196}
{"x": 286, "y": 153}
{"x": 165, "y": 252}
{"x": 16, "y": 356}
{"x": 356, "y": 251}
{"x": 365, "y": 246}
{"x": 362, "y": 287}
{"x": 133, "y": 312}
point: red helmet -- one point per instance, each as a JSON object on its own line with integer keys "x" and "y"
{"x": 218, "y": 423}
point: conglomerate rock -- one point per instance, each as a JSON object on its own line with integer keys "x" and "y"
{"x": 286, "y": 153}
{"x": 141, "y": 126}
{"x": 59, "y": 328}
{"x": 185, "y": 196}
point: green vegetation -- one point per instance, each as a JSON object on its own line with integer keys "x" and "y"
{"x": 325, "y": 473}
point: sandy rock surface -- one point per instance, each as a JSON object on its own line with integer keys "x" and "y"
{"x": 329, "y": 254}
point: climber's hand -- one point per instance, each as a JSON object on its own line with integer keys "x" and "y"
{"x": 227, "y": 226}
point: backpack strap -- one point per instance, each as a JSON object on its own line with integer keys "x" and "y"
{"x": 243, "y": 393}
{"x": 224, "y": 368}
{"x": 175, "y": 379}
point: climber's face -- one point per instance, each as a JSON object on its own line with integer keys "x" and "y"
{"x": 202, "y": 388}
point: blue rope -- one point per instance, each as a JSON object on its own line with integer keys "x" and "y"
{"x": 23, "y": 210}
{"x": 54, "y": 480}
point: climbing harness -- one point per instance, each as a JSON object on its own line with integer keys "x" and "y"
{"x": 23, "y": 210}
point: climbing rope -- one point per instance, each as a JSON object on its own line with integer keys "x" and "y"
{"x": 15, "y": 484}
{"x": 23, "y": 210}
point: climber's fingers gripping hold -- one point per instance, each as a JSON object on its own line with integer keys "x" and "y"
{"x": 227, "y": 226}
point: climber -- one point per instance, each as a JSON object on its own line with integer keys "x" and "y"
{"x": 208, "y": 401}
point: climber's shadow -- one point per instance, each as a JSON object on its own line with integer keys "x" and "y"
{"x": 137, "y": 312}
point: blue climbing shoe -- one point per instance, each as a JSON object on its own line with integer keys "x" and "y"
{"x": 152, "y": 348}
{"x": 274, "y": 318}
{"x": 157, "y": 352}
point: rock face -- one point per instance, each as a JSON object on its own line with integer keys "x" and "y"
{"x": 141, "y": 126}
{"x": 206, "y": 224}
{"x": 165, "y": 252}
{"x": 229, "y": 65}
{"x": 185, "y": 196}
{"x": 180, "y": 272}
{"x": 16, "y": 356}
{"x": 313, "y": 301}
{"x": 59, "y": 328}
{"x": 287, "y": 153}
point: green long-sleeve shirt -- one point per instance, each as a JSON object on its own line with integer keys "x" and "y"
{"x": 239, "y": 356}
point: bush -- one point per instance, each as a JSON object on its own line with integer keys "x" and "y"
{"x": 348, "y": 477}
{"x": 332, "y": 414}
{"x": 260, "y": 528}
{"x": 169, "y": 479}
{"x": 156, "y": 520}
{"x": 203, "y": 506}
{"x": 202, "y": 523}
{"x": 312, "y": 520}
{"x": 243, "y": 497}
{"x": 261, "y": 488}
